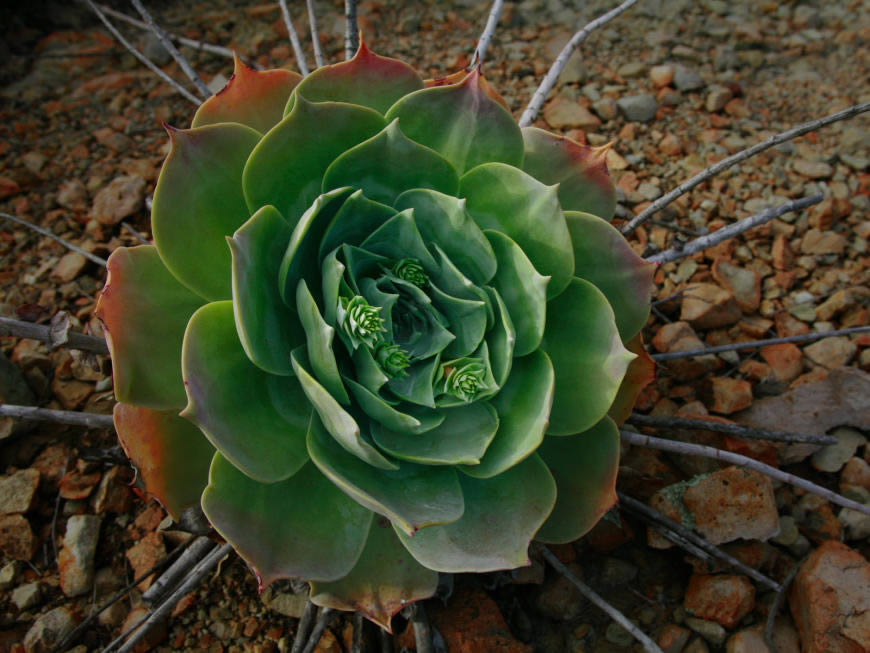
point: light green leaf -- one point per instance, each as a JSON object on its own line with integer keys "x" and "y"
{"x": 399, "y": 238}
{"x": 318, "y": 336}
{"x": 500, "y": 339}
{"x": 412, "y": 419}
{"x": 467, "y": 319}
{"x": 356, "y": 219}
{"x": 416, "y": 385}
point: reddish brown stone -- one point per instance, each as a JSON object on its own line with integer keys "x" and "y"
{"x": 472, "y": 623}
{"x": 745, "y": 283}
{"x": 724, "y": 598}
{"x": 143, "y": 555}
{"x": 724, "y": 395}
{"x": 783, "y": 258}
{"x": 786, "y": 360}
{"x": 77, "y": 485}
{"x": 673, "y": 638}
{"x": 113, "y": 495}
{"x": 707, "y": 306}
{"x": 16, "y": 537}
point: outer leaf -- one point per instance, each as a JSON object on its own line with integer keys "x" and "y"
{"x": 170, "y": 454}
{"x": 319, "y": 337}
{"x": 368, "y": 79}
{"x": 588, "y": 356}
{"x": 144, "y": 311}
{"x": 523, "y": 408}
{"x": 384, "y": 580}
{"x": 252, "y": 97}
{"x": 303, "y": 527}
{"x": 580, "y": 171}
{"x": 412, "y": 496}
{"x": 356, "y": 219}
{"x": 401, "y": 164}
{"x": 506, "y": 199}
{"x": 585, "y": 467}
{"x": 286, "y": 168}
{"x": 257, "y": 420}
{"x": 501, "y": 516}
{"x": 461, "y": 123}
{"x": 458, "y": 76}
{"x": 198, "y": 202}
{"x": 641, "y": 372}
{"x": 268, "y": 328}
{"x": 603, "y": 257}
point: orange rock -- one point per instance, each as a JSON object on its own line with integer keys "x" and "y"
{"x": 724, "y": 395}
{"x": 472, "y": 623}
{"x": 707, "y": 306}
{"x": 745, "y": 283}
{"x": 724, "y": 598}
{"x": 785, "y": 359}
{"x": 783, "y": 258}
{"x": 16, "y": 537}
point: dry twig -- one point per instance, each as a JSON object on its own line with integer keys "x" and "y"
{"x": 43, "y": 333}
{"x": 737, "y": 430}
{"x": 323, "y": 621}
{"x": 488, "y": 31}
{"x": 294, "y": 39}
{"x": 777, "y": 604}
{"x": 303, "y": 628}
{"x": 45, "y": 232}
{"x": 72, "y": 417}
{"x": 315, "y": 37}
{"x": 197, "y": 550}
{"x": 351, "y": 30}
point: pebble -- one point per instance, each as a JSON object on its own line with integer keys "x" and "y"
{"x": 18, "y": 490}
{"x": 788, "y": 531}
{"x": 638, "y": 108}
{"x": 709, "y": 630}
{"x": 123, "y": 197}
{"x": 744, "y": 283}
{"x": 69, "y": 267}
{"x": 631, "y": 69}
{"x": 813, "y": 169}
{"x": 605, "y": 108}
{"x": 661, "y": 75}
{"x": 563, "y": 113}
{"x": 673, "y": 638}
{"x": 718, "y": 97}
{"x": 286, "y": 603}
{"x": 649, "y": 191}
{"x": 723, "y": 598}
{"x": 832, "y": 457}
{"x": 76, "y": 559}
{"x": 725, "y": 395}
{"x": 707, "y": 306}
{"x": 49, "y": 629}
{"x": 616, "y": 634}
{"x": 831, "y": 352}
{"x": 8, "y": 574}
{"x": 16, "y": 537}
{"x": 27, "y": 596}
{"x": 686, "y": 79}
{"x": 855, "y": 524}
{"x": 143, "y": 555}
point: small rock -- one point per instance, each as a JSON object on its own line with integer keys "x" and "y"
{"x": 112, "y": 494}
{"x": 27, "y": 596}
{"x": 76, "y": 559}
{"x": 605, "y": 108}
{"x": 77, "y": 485}
{"x": 786, "y": 360}
{"x": 71, "y": 394}
{"x": 832, "y": 457}
{"x": 649, "y": 191}
{"x": 286, "y": 603}
{"x": 670, "y": 145}
{"x": 562, "y": 113}
{"x": 835, "y": 304}
{"x": 724, "y": 395}
{"x": 143, "y": 555}
{"x": 113, "y": 140}
{"x": 813, "y": 169}
{"x": 631, "y": 69}
{"x": 48, "y": 631}
{"x": 783, "y": 258}
{"x": 831, "y": 352}
{"x": 723, "y": 598}
{"x": 69, "y": 267}
{"x": 673, "y": 638}
{"x": 72, "y": 195}
{"x": 856, "y": 524}
{"x": 8, "y": 574}
{"x": 816, "y": 241}
{"x": 155, "y": 50}
{"x": 748, "y": 640}
{"x": 616, "y": 634}
{"x": 745, "y": 283}
{"x": 709, "y": 630}
{"x": 558, "y": 599}
{"x": 661, "y": 75}
{"x": 718, "y": 98}
{"x": 16, "y": 537}
{"x": 152, "y": 638}
{"x": 855, "y": 479}
{"x": 788, "y": 531}
{"x": 472, "y": 617}
{"x": 686, "y": 79}
{"x": 638, "y": 108}
{"x": 18, "y": 490}
{"x": 123, "y": 197}
{"x": 707, "y": 306}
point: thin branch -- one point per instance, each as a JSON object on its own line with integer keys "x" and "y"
{"x": 422, "y": 629}
{"x": 734, "y": 159}
{"x": 75, "y": 418}
{"x": 200, "y": 547}
{"x": 356, "y": 642}
{"x": 183, "y": 63}
{"x": 303, "y": 628}
{"x": 351, "y": 30}
{"x": 749, "y": 344}
{"x": 325, "y": 618}
{"x": 315, "y": 38}
{"x": 45, "y": 232}
{"x": 735, "y": 229}
{"x": 730, "y": 429}
{"x": 549, "y": 81}
{"x": 294, "y": 39}
{"x": 141, "y": 57}
{"x": 488, "y": 31}
{"x": 648, "y": 645}
{"x": 126, "y": 225}
{"x": 777, "y": 604}
{"x": 654, "y": 515}
{"x": 704, "y": 451}
{"x": 20, "y": 329}
{"x": 677, "y": 539}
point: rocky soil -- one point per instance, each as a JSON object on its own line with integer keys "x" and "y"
{"x": 674, "y": 85}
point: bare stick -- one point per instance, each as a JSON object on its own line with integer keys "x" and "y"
{"x": 416, "y": 614}
{"x": 194, "y": 553}
{"x": 704, "y": 451}
{"x": 135, "y": 233}
{"x": 326, "y": 616}
{"x": 552, "y": 75}
{"x": 777, "y": 604}
{"x": 294, "y": 39}
{"x": 303, "y": 628}
{"x": 45, "y": 232}
{"x": 356, "y": 642}
{"x": 680, "y": 541}
{"x": 183, "y": 63}
{"x": 654, "y": 515}
{"x": 141, "y": 57}
{"x": 648, "y": 645}
{"x": 734, "y": 159}
{"x": 488, "y": 31}
{"x": 735, "y": 229}
{"x": 315, "y": 38}
{"x": 20, "y": 329}
{"x": 351, "y": 30}
{"x": 749, "y": 344}
{"x": 730, "y": 429}
{"x": 75, "y": 418}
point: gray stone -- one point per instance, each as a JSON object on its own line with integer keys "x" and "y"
{"x": 616, "y": 634}
{"x": 616, "y": 572}
{"x": 649, "y": 191}
{"x": 856, "y": 524}
{"x": 638, "y": 108}
{"x": 27, "y": 596}
{"x": 709, "y": 630}
{"x": 788, "y": 531}
{"x": 155, "y": 50}
{"x": 18, "y": 490}
{"x": 8, "y": 574}
{"x": 631, "y": 69}
{"x": 686, "y": 79}
{"x": 49, "y": 630}
{"x": 286, "y": 603}
{"x": 718, "y": 98}
{"x": 76, "y": 559}
{"x": 832, "y": 457}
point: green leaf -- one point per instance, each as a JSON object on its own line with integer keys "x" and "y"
{"x": 500, "y": 339}
{"x": 508, "y": 200}
{"x": 198, "y": 203}
{"x": 467, "y": 319}
{"x": 144, "y": 311}
{"x": 318, "y": 335}
{"x": 603, "y": 257}
{"x": 268, "y": 329}
{"x": 451, "y": 280}
{"x": 336, "y": 420}
{"x": 442, "y": 219}
{"x": 413, "y": 419}
{"x": 640, "y": 373}
{"x": 462, "y": 438}
{"x": 585, "y": 467}
{"x": 523, "y": 408}
{"x": 286, "y": 168}
{"x": 384, "y": 580}
{"x": 304, "y": 527}
{"x": 170, "y": 454}
{"x": 501, "y": 516}
{"x": 401, "y": 164}
{"x": 257, "y": 420}
{"x": 376, "y": 297}
{"x": 580, "y": 171}
{"x": 523, "y": 291}
{"x": 399, "y": 238}
{"x": 461, "y": 123}
{"x": 588, "y": 356}
{"x": 332, "y": 272}
{"x": 356, "y": 219}
{"x": 416, "y": 385}
{"x": 368, "y": 372}
{"x": 368, "y": 79}
{"x": 411, "y": 496}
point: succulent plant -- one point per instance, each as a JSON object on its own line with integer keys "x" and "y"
{"x": 383, "y": 331}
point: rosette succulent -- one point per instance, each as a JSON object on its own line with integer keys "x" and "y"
{"x": 383, "y": 332}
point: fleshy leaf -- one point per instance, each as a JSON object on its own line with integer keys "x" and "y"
{"x": 502, "y": 515}
{"x": 411, "y": 496}
{"x": 411, "y": 420}
{"x": 416, "y": 385}
{"x": 585, "y": 467}
{"x": 198, "y": 202}
{"x": 462, "y": 438}
{"x": 458, "y": 76}
{"x": 580, "y": 171}
{"x": 356, "y": 219}
{"x": 467, "y": 321}
{"x": 641, "y": 372}
{"x": 144, "y": 311}
{"x": 255, "y": 98}
{"x": 319, "y": 337}
{"x": 603, "y": 257}
{"x": 587, "y": 354}
{"x": 286, "y": 168}
{"x": 398, "y": 238}
{"x": 367, "y": 79}
{"x": 268, "y": 328}
{"x": 401, "y": 164}
{"x": 461, "y": 123}
{"x": 170, "y": 454}
{"x": 523, "y": 408}
{"x": 304, "y": 527}
{"x": 523, "y": 291}
{"x": 257, "y": 420}
{"x": 506, "y": 199}
{"x": 384, "y": 580}
{"x": 500, "y": 339}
